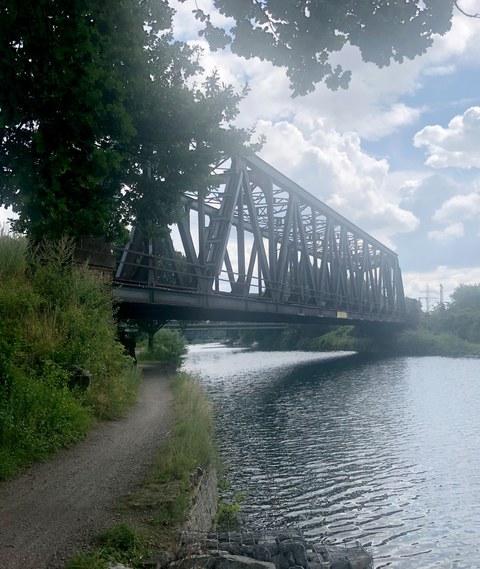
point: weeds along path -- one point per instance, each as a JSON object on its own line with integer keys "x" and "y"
{"x": 56, "y": 507}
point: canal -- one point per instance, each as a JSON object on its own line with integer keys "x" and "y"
{"x": 385, "y": 452}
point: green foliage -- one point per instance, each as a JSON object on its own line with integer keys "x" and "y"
{"x": 120, "y": 544}
{"x": 311, "y": 338}
{"x": 168, "y": 348}
{"x": 302, "y": 36}
{"x": 466, "y": 297}
{"x": 423, "y": 342}
{"x": 227, "y": 516}
{"x": 97, "y": 123}
{"x": 292, "y": 337}
{"x": 461, "y": 318}
{"x": 342, "y": 338}
{"x": 12, "y": 255}
{"x": 447, "y": 331}
{"x": 55, "y": 318}
{"x": 38, "y": 415}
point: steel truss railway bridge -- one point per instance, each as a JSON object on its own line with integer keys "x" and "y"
{"x": 255, "y": 246}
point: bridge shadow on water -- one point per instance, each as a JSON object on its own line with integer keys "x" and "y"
{"x": 342, "y": 367}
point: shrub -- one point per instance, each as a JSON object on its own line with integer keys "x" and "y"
{"x": 341, "y": 338}
{"x": 118, "y": 545}
{"x": 54, "y": 318}
{"x": 38, "y": 415}
{"x": 227, "y": 517}
{"x": 168, "y": 348}
{"x": 422, "y": 342}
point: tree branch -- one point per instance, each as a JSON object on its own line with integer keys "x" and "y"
{"x": 271, "y": 24}
{"x": 477, "y": 15}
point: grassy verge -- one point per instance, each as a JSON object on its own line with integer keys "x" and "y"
{"x": 56, "y": 321}
{"x": 152, "y": 515}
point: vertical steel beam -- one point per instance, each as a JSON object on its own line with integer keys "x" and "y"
{"x": 263, "y": 267}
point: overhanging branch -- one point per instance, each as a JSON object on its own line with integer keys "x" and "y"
{"x": 477, "y": 15}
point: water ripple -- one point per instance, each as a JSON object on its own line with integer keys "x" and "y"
{"x": 377, "y": 451}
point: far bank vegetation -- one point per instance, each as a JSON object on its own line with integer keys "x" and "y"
{"x": 449, "y": 330}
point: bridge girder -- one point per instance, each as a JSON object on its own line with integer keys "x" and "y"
{"x": 254, "y": 234}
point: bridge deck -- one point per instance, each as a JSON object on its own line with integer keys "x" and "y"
{"x": 170, "y": 304}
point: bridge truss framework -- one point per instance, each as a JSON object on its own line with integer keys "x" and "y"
{"x": 256, "y": 246}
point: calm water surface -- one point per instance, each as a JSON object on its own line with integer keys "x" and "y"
{"x": 384, "y": 452}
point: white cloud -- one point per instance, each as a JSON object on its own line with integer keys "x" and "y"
{"x": 459, "y": 207}
{"x": 458, "y": 145}
{"x": 449, "y": 233}
{"x": 371, "y": 106}
{"x": 316, "y": 140}
{"x": 334, "y": 168}
{"x": 417, "y": 283}
{"x": 438, "y": 70}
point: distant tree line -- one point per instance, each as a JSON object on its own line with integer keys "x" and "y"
{"x": 461, "y": 317}
{"x": 450, "y": 330}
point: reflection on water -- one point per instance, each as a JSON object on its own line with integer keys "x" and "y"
{"x": 348, "y": 448}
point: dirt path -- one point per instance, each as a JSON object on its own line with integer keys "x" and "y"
{"x": 54, "y": 508}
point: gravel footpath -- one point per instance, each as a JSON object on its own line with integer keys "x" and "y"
{"x": 53, "y": 509}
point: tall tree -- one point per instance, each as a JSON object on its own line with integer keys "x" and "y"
{"x": 302, "y": 35}
{"x": 97, "y": 123}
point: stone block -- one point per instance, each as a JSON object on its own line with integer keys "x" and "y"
{"x": 195, "y": 562}
{"x": 280, "y": 561}
{"x": 297, "y": 551}
{"x": 262, "y": 553}
{"x": 158, "y": 561}
{"x": 233, "y": 548}
{"x": 241, "y": 562}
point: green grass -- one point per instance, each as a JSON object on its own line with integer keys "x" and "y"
{"x": 189, "y": 446}
{"x": 122, "y": 543}
{"x": 12, "y": 255}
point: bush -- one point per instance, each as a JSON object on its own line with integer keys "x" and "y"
{"x": 168, "y": 348}
{"x": 37, "y": 417}
{"x": 54, "y": 318}
{"x": 422, "y": 342}
{"x": 342, "y": 338}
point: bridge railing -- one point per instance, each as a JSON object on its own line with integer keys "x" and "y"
{"x": 174, "y": 273}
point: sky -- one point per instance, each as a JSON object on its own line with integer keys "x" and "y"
{"x": 398, "y": 153}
